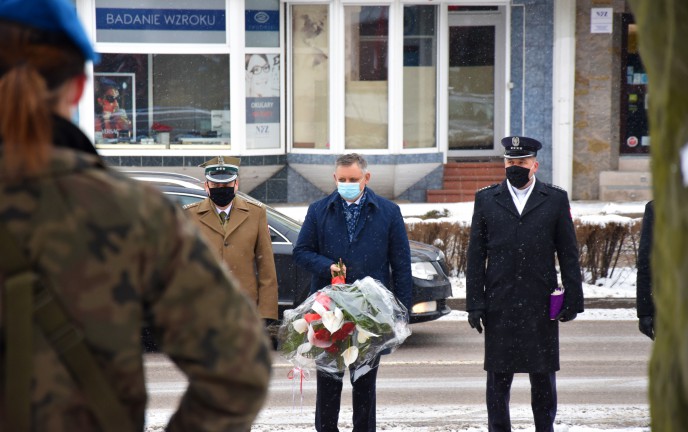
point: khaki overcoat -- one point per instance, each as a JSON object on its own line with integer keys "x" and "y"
{"x": 244, "y": 245}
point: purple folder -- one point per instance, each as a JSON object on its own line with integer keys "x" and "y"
{"x": 556, "y": 301}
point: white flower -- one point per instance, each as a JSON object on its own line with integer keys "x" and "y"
{"x": 300, "y": 325}
{"x": 350, "y": 355}
{"x": 319, "y": 308}
{"x": 333, "y": 320}
{"x": 303, "y": 348}
{"x": 363, "y": 334}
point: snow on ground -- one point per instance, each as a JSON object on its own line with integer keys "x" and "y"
{"x": 472, "y": 418}
{"x": 447, "y": 418}
{"x": 462, "y": 212}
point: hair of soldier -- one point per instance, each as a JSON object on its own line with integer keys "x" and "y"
{"x": 34, "y": 65}
{"x": 350, "y": 159}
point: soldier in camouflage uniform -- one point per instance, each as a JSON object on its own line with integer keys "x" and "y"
{"x": 116, "y": 253}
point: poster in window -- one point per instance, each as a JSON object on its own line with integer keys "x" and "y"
{"x": 115, "y": 107}
{"x": 262, "y": 101}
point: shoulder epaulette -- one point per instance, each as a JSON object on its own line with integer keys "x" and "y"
{"x": 555, "y": 187}
{"x": 487, "y": 187}
{"x": 192, "y": 205}
{"x": 257, "y": 204}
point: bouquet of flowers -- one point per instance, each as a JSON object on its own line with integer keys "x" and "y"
{"x": 343, "y": 325}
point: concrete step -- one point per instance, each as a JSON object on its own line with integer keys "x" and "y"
{"x": 443, "y": 196}
{"x": 625, "y": 186}
{"x": 474, "y": 169}
{"x": 468, "y": 184}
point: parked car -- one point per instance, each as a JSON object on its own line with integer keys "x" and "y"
{"x": 431, "y": 286}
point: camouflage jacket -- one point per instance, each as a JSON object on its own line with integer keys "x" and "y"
{"x": 121, "y": 255}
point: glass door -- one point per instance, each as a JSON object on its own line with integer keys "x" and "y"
{"x": 476, "y": 79}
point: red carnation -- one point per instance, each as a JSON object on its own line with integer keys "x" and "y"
{"x": 322, "y": 335}
{"x": 343, "y": 332}
{"x": 310, "y": 317}
{"x": 332, "y": 349}
{"x": 323, "y": 299}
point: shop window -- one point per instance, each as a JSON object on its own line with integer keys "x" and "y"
{"x": 162, "y": 101}
{"x": 471, "y": 87}
{"x": 635, "y": 130}
{"x": 310, "y": 76}
{"x": 420, "y": 76}
{"x": 366, "y": 69}
{"x": 262, "y": 20}
{"x": 262, "y": 101}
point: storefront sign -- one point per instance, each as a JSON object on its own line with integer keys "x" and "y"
{"x": 160, "y": 19}
{"x": 601, "y": 20}
{"x": 262, "y": 20}
{"x": 144, "y": 21}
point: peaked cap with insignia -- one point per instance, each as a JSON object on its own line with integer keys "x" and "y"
{"x": 221, "y": 169}
{"x": 516, "y": 147}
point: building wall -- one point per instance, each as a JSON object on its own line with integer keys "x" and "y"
{"x": 532, "y": 66}
{"x": 596, "y": 103}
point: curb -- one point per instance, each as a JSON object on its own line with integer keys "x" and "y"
{"x": 590, "y": 303}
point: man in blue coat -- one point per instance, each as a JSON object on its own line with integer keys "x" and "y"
{"x": 368, "y": 234}
{"x": 519, "y": 228}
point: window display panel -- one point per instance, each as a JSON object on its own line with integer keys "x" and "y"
{"x": 310, "y": 77}
{"x": 366, "y": 85}
{"x": 635, "y": 129}
{"x": 162, "y": 100}
{"x": 420, "y": 76}
{"x": 262, "y": 101}
{"x": 262, "y": 23}
{"x": 471, "y": 87}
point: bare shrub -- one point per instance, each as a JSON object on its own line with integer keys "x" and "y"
{"x": 603, "y": 247}
{"x": 450, "y": 237}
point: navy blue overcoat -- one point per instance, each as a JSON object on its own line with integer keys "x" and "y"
{"x": 380, "y": 244}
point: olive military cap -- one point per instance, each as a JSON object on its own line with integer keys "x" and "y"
{"x": 222, "y": 169}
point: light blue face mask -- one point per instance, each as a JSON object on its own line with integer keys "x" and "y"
{"x": 348, "y": 191}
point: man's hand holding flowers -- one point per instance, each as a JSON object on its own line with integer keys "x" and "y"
{"x": 338, "y": 273}
{"x": 343, "y": 325}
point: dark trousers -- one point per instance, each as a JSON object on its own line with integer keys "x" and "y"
{"x": 543, "y": 400}
{"x": 329, "y": 395}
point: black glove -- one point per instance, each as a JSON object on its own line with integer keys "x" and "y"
{"x": 566, "y": 314}
{"x": 474, "y": 318}
{"x": 271, "y": 328}
{"x": 647, "y": 326}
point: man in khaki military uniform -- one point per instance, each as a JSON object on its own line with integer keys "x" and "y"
{"x": 237, "y": 230}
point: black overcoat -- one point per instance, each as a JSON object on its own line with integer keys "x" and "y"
{"x": 644, "y": 304}
{"x": 511, "y": 273}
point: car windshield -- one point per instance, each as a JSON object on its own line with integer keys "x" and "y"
{"x": 284, "y": 219}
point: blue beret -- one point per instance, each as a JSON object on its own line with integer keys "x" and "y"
{"x": 55, "y": 16}
{"x": 516, "y": 147}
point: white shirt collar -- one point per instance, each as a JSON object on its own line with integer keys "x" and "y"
{"x": 219, "y": 210}
{"x": 520, "y": 196}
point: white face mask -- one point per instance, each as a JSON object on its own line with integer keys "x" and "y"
{"x": 348, "y": 191}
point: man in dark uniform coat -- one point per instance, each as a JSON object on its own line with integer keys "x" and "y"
{"x": 644, "y": 304}
{"x": 518, "y": 226}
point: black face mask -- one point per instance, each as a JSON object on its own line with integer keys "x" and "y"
{"x": 221, "y": 196}
{"x": 517, "y": 176}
